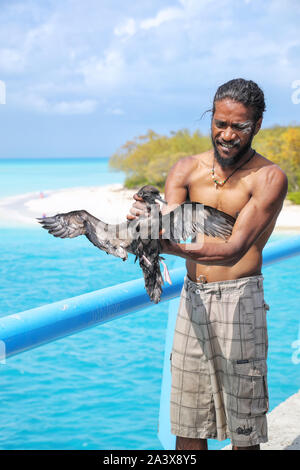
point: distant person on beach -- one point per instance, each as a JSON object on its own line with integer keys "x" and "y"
{"x": 218, "y": 361}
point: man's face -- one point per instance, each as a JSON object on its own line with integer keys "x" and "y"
{"x": 232, "y": 131}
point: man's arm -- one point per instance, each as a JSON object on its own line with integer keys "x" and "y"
{"x": 175, "y": 188}
{"x": 268, "y": 194}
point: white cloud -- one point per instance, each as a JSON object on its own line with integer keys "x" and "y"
{"x": 11, "y": 61}
{"x": 131, "y": 26}
{"x": 115, "y": 111}
{"x": 37, "y": 37}
{"x": 163, "y": 16}
{"x": 103, "y": 73}
{"x": 41, "y": 104}
{"x": 126, "y": 29}
{"x": 74, "y": 107}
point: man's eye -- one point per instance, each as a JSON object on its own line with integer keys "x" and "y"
{"x": 220, "y": 124}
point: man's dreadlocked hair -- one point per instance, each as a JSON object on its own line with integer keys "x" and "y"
{"x": 243, "y": 91}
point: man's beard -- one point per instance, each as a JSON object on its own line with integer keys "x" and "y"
{"x": 231, "y": 161}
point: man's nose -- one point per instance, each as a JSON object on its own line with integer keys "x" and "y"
{"x": 228, "y": 134}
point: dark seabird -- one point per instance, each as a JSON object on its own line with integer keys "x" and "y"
{"x": 141, "y": 236}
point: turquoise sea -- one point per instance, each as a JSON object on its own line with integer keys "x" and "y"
{"x": 100, "y": 389}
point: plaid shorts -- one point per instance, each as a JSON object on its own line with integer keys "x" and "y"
{"x": 218, "y": 362}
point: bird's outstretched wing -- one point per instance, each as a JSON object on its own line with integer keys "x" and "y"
{"x": 191, "y": 218}
{"x": 76, "y": 223}
{"x": 69, "y": 225}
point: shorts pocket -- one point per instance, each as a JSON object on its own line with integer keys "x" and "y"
{"x": 266, "y": 308}
{"x": 249, "y": 388}
{"x": 247, "y": 318}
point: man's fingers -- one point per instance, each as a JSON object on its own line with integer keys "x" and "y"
{"x": 140, "y": 206}
{"x": 137, "y": 211}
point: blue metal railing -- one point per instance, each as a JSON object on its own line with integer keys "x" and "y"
{"x": 32, "y": 328}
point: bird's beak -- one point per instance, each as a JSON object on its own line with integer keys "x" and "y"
{"x": 159, "y": 198}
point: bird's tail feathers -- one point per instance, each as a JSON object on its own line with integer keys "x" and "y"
{"x": 152, "y": 276}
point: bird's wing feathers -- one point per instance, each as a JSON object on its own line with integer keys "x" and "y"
{"x": 76, "y": 223}
{"x": 217, "y": 223}
{"x": 69, "y": 225}
{"x": 191, "y": 218}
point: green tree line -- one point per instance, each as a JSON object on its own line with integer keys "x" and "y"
{"x": 148, "y": 158}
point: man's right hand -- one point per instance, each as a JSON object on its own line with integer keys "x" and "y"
{"x": 138, "y": 208}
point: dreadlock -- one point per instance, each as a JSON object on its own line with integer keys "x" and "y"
{"x": 242, "y": 91}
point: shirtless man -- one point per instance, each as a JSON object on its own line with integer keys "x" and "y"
{"x": 218, "y": 361}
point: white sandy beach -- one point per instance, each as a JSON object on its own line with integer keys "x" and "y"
{"x": 110, "y": 203}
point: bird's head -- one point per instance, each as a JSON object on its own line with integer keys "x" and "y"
{"x": 150, "y": 194}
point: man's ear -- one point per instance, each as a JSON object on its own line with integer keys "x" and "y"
{"x": 258, "y": 125}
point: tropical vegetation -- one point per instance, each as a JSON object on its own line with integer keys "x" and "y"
{"x": 148, "y": 158}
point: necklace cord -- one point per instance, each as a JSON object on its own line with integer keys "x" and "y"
{"x": 221, "y": 183}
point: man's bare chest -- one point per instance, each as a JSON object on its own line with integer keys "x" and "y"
{"x": 230, "y": 198}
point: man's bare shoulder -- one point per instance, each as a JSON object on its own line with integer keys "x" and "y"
{"x": 188, "y": 164}
{"x": 267, "y": 167}
{"x": 269, "y": 175}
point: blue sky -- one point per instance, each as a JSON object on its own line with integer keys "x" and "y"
{"x": 82, "y": 77}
